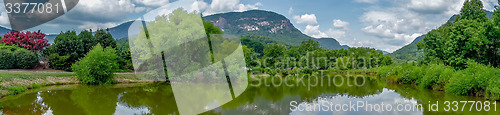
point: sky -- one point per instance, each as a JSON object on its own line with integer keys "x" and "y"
{"x": 382, "y": 24}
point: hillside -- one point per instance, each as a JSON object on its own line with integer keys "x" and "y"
{"x": 268, "y": 24}
{"x": 411, "y": 53}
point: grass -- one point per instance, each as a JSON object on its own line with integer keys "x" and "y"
{"x": 9, "y": 75}
{"x": 16, "y": 88}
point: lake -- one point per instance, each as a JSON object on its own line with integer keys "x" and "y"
{"x": 373, "y": 97}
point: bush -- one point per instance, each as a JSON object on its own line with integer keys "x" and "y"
{"x": 34, "y": 41}
{"x": 25, "y": 59}
{"x": 436, "y": 76}
{"x": 493, "y": 90}
{"x": 16, "y": 90}
{"x": 97, "y": 67}
{"x": 6, "y": 59}
{"x": 306, "y": 71}
{"x": 271, "y": 72}
{"x": 477, "y": 79}
{"x": 13, "y": 57}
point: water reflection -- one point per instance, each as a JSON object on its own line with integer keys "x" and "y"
{"x": 264, "y": 100}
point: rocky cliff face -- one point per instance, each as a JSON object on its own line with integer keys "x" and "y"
{"x": 237, "y": 23}
{"x": 265, "y": 23}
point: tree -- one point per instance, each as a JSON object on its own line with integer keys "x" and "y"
{"x": 467, "y": 40}
{"x": 472, "y": 10}
{"x": 494, "y": 36}
{"x": 308, "y": 45}
{"x": 88, "y": 40}
{"x": 105, "y": 38}
{"x": 274, "y": 53}
{"x": 65, "y": 51}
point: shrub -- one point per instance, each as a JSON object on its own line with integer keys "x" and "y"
{"x": 460, "y": 84}
{"x": 477, "y": 79}
{"x": 16, "y": 90}
{"x": 6, "y": 59}
{"x": 97, "y": 67}
{"x": 271, "y": 72}
{"x": 25, "y": 59}
{"x": 306, "y": 71}
{"x": 493, "y": 90}
{"x": 33, "y": 41}
{"x": 436, "y": 76}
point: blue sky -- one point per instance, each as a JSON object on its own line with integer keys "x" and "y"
{"x": 383, "y": 24}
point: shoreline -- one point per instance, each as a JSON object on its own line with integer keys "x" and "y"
{"x": 16, "y": 82}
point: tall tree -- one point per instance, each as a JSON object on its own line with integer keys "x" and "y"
{"x": 88, "y": 40}
{"x": 105, "y": 38}
{"x": 473, "y": 10}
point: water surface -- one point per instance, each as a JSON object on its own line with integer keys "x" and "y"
{"x": 265, "y": 99}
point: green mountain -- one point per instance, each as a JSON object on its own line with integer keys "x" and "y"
{"x": 268, "y": 24}
{"x": 410, "y": 52}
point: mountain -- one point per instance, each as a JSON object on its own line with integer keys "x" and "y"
{"x": 330, "y": 43}
{"x": 121, "y": 31}
{"x": 4, "y": 30}
{"x": 411, "y": 53}
{"x": 266, "y": 23}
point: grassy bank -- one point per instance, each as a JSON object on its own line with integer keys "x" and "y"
{"x": 476, "y": 80}
{"x": 15, "y": 82}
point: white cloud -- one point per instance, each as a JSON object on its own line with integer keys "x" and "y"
{"x": 340, "y": 24}
{"x": 4, "y": 18}
{"x": 308, "y": 19}
{"x": 367, "y": 1}
{"x": 95, "y": 26}
{"x": 153, "y": 2}
{"x": 337, "y": 34}
{"x": 314, "y": 31}
{"x": 199, "y": 6}
{"x": 398, "y": 25}
{"x": 219, "y": 6}
{"x": 290, "y": 10}
{"x": 104, "y": 10}
{"x": 140, "y": 9}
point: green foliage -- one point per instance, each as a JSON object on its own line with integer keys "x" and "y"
{"x": 124, "y": 53}
{"x": 88, "y": 40}
{"x": 471, "y": 37}
{"x": 25, "y": 59}
{"x": 7, "y": 59}
{"x": 467, "y": 40}
{"x": 65, "y": 51}
{"x": 13, "y": 57}
{"x": 271, "y": 72}
{"x": 273, "y": 53}
{"x": 105, "y": 39}
{"x": 308, "y": 46}
{"x": 256, "y": 42}
{"x": 477, "y": 79}
{"x": 472, "y": 10}
{"x": 307, "y": 71}
{"x": 435, "y": 76}
{"x": 16, "y": 90}
{"x": 97, "y": 66}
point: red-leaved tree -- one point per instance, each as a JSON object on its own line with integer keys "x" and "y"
{"x": 34, "y": 41}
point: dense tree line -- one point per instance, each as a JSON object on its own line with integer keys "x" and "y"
{"x": 472, "y": 36}
{"x": 69, "y": 47}
{"x": 310, "y": 55}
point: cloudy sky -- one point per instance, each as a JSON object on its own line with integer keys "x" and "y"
{"x": 383, "y": 24}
